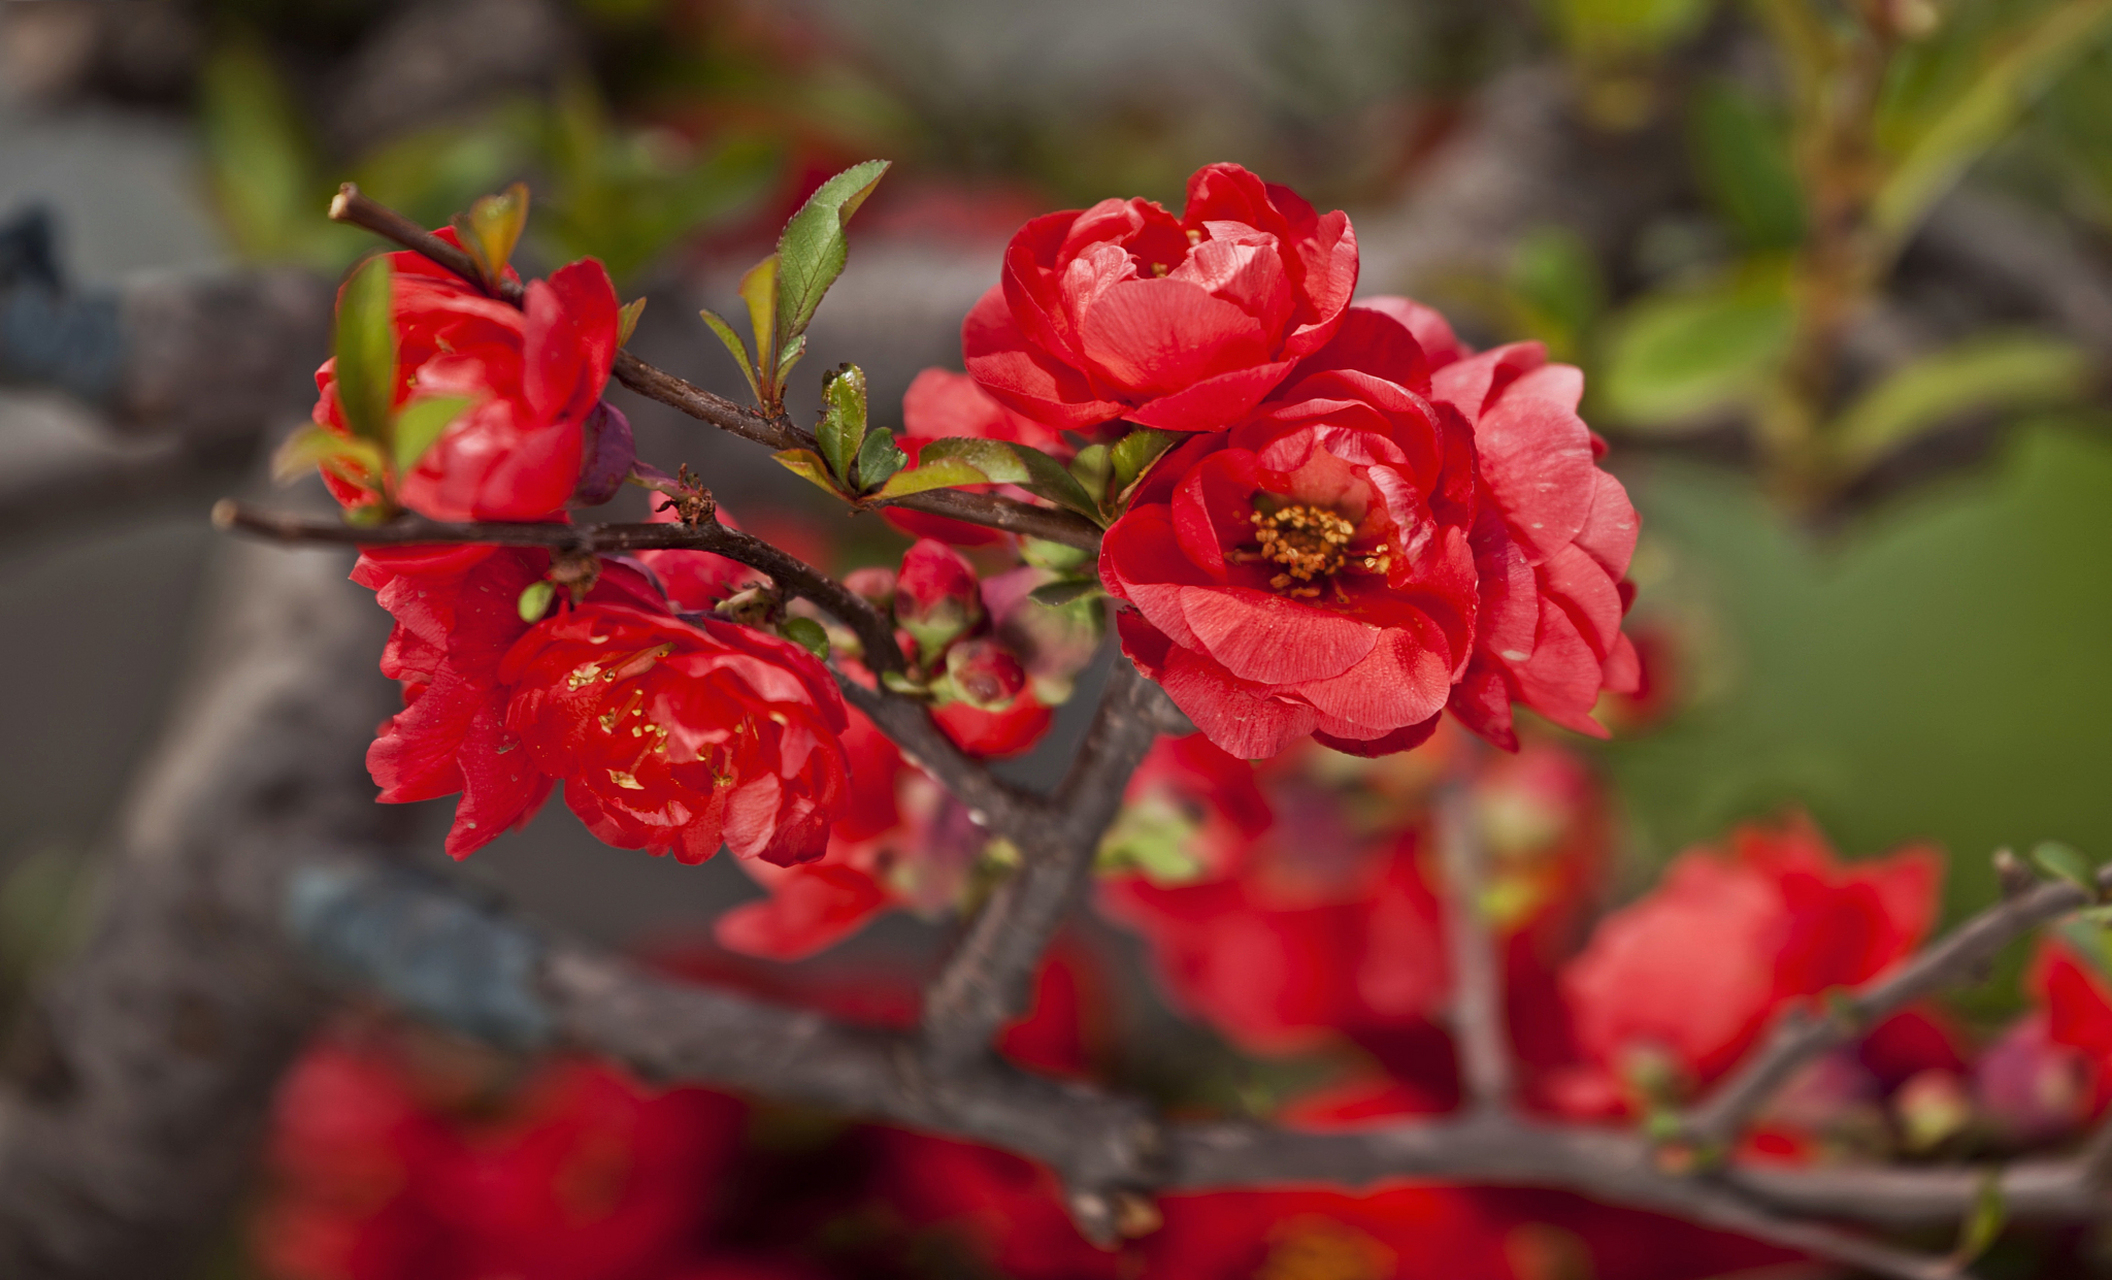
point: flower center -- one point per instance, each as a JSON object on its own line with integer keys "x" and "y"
{"x": 1309, "y": 542}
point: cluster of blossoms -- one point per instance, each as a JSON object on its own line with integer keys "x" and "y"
{"x": 394, "y": 1164}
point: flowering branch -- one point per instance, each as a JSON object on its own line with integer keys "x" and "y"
{"x": 1801, "y": 1035}
{"x": 777, "y": 431}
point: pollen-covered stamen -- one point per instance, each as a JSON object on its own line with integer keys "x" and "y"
{"x": 1309, "y": 542}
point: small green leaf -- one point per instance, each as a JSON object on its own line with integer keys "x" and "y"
{"x": 842, "y": 428}
{"x": 627, "y": 320}
{"x": 358, "y": 461}
{"x": 789, "y": 355}
{"x": 759, "y": 291}
{"x": 946, "y": 473}
{"x": 1092, "y": 469}
{"x": 1985, "y": 1223}
{"x": 1134, "y": 453}
{"x": 808, "y": 466}
{"x": 1049, "y": 478}
{"x": 733, "y": 343}
{"x": 2066, "y": 862}
{"x": 1673, "y": 358}
{"x": 420, "y": 425}
{"x": 491, "y": 229}
{"x": 535, "y": 600}
{"x": 1054, "y": 556}
{"x": 807, "y": 634}
{"x": 1064, "y": 591}
{"x": 813, "y": 249}
{"x": 1742, "y": 157}
{"x": 1994, "y": 373}
{"x": 366, "y": 349}
{"x": 995, "y": 459}
{"x": 1555, "y": 288}
{"x": 1154, "y": 838}
{"x": 878, "y": 459}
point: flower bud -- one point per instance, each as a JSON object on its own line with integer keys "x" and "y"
{"x": 936, "y": 598}
{"x": 985, "y": 674}
{"x": 875, "y": 585}
{"x": 1931, "y": 1106}
{"x": 2032, "y": 1089}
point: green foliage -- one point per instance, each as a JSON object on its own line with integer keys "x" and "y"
{"x": 1674, "y": 358}
{"x": 2065, "y": 862}
{"x": 420, "y": 425}
{"x": 366, "y": 350}
{"x": 261, "y": 165}
{"x": 535, "y": 601}
{"x": 1741, "y": 155}
{"x": 807, "y": 634}
{"x": 1992, "y": 373}
{"x": 491, "y": 229}
{"x": 1555, "y": 291}
{"x": 842, "y": 430}
{"x": 879, "y": 458}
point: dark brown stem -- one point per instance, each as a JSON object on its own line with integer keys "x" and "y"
{"x": 793, "y": 574}
{"x": 1477, "y": 964}
{"x": 776, "y": 432}
{"x": 1801, "y": 1035}
{"x": 985, "y": 982}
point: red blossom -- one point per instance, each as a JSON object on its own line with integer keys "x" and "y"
{"x": 1552, "y": 540}
{"x": 534, "y": 374}
{"x": 1309, "y": 572}
{"x": 1683, "y": 980}
{"x": 1125, "y": 311}
{"x": 676, "y": 736}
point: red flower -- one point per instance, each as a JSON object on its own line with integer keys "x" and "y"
{"x": 457, "y": 614}
{"x": 1685, "y": 979}
{"x": 675, "y": 736}
{"x": 1309, "y": 571}
{"x": 995, "y": 735}
{"x": 1552, "y": 541}
{"x": 1124, "y": 311}
{"x": 535, "y": 374}
{"x": 941, "y": 404}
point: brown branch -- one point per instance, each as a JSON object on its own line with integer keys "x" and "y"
{"x": 992, "y": 803}
{"x": 779, "y": 432}
{"x": 1801, "y": 1035}
{"x": 1477, "y": 964}
{"x": 985, "y": 982}
{"x": 874, "y": 632}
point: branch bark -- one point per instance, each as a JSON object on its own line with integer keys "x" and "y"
{"x": 144, "y": 1068}
{"x": 1477, "y": 964}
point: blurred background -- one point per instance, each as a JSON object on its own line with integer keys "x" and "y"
{"x": 1840, "y": 276}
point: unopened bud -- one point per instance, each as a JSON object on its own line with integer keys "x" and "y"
{"x": 985, "y": 674}
{"x": 2033, "y": 1089}
{"x": 936, "y": 597}
{"x": 1931, "y": 1106}
{"x": 874, "y": 585}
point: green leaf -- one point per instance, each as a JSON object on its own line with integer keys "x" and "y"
{"x": 420, "y": 425}
{"x": 878, "y": 459}
{"x": 946, "y": 473}
{"x": 1974, "y": 120}
{"x": 812, "y": 250}
{"x": 759, "y": 291}
{"x": 1985, "y": 1223}
{"x": 491, "y": 229}
{"x": 807, "y": 634}
{"x": 789, "y": 355}
{"x": 1742, "y": 157}
{"x": 366, "y": 350}
{"x": 1556, "y": 286}
{"x": 842, "y": 428}
{"x": 1988, "y": 374}
{"x": 1052, "y": 480}
{"x": 1673, "y": 358}
{"x": 993, "y": 458}
{"x": 1092, "y": 469}
{"x": 627, "y": 320}
{"x": 1054, "y": 556}
{"x": 358, "y": 461}
{"x": 535, "y": 601}
{"x": 1134, "y": 453}
{"x": 1154, "y": 838}
{"x": 808, "y": 466}
{"x": 1064, "y": 591}
{"x": 733, "y": 343}
{"x": 2066, "y": 862}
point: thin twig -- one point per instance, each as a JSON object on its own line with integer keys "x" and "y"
{"x": 788, "y": 571}
{"x": 1478, "y": 1018}
{"x": 985, "y": 982}
{"x": 354, "y": 208}
{"x": 993, "y": 804}
{"x": 1801, "y": 1035}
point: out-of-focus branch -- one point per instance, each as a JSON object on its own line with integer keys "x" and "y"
{"x": 1477, "y": 966}
{"x": 1801, "y": 1035}
{"x": 985, "y": 982}
{"x": 779, "y": 432}
{"x": 788, "y": 571}
{"x": 145, "y": 1065}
